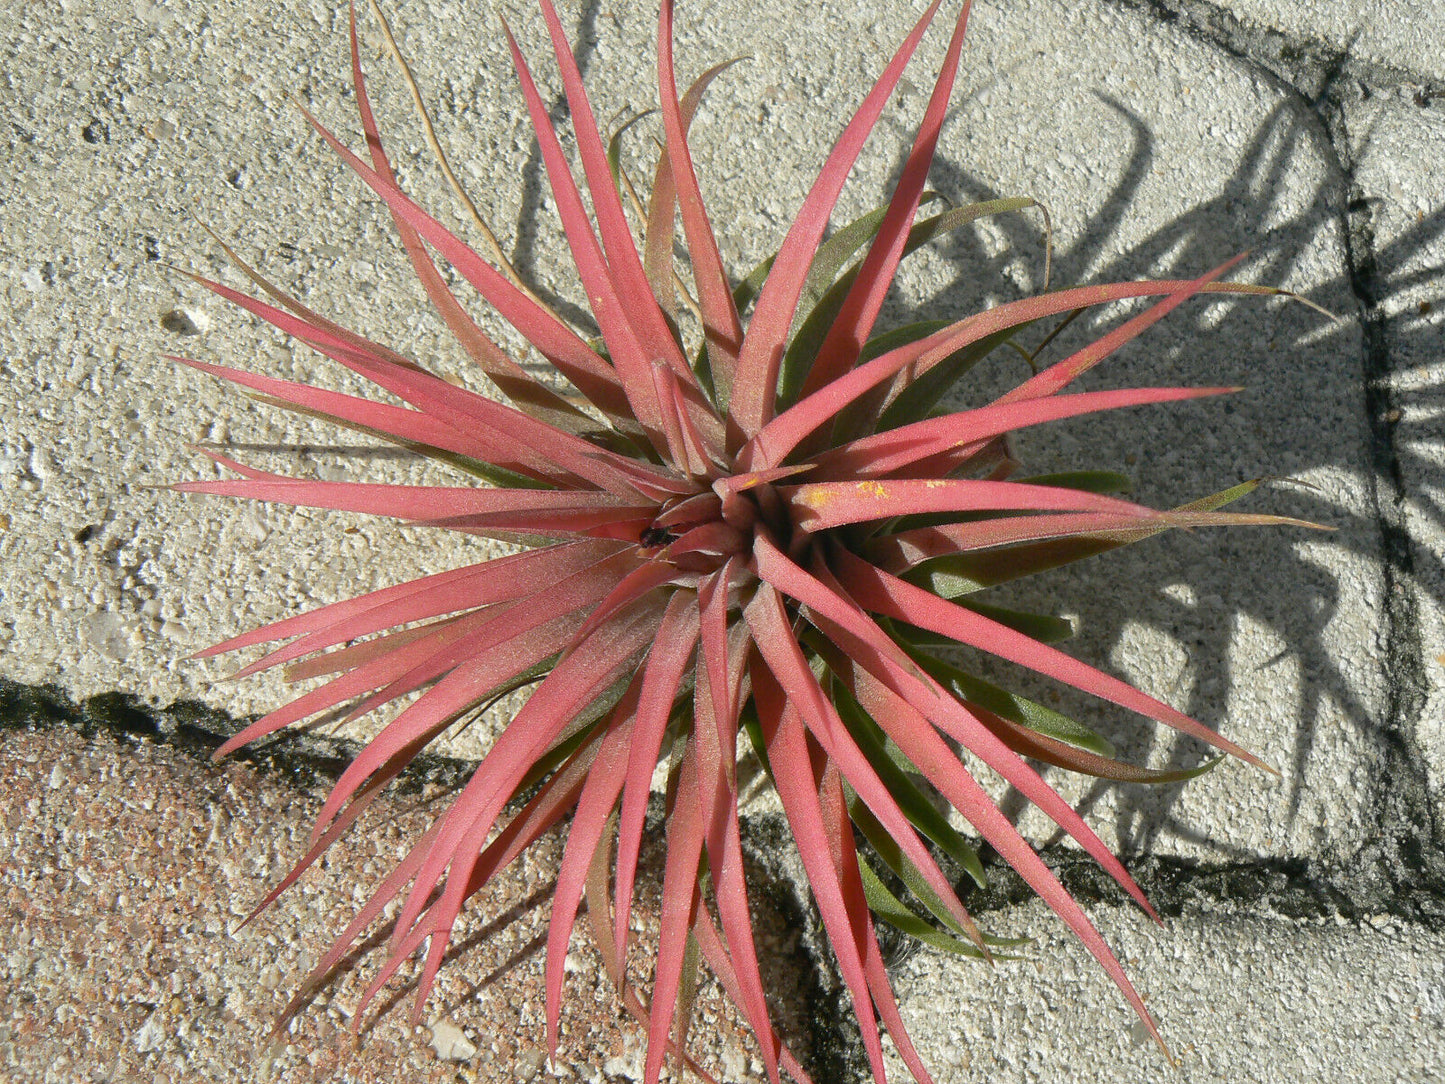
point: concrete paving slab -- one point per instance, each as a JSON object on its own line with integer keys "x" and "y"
{"x": 1407, "y": 35}
{"x": 1173, "y": 160}
{"x": 123, "y": 956}
{"x": 1399, "y": 144}
{"x": 1158, "y": 151}
{"x": 1243, "y": 999}
{"x": 1172, "y": 156}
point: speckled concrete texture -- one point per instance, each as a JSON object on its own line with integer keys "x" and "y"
{"x": 1163, "y": 135}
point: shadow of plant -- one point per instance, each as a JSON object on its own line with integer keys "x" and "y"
{"x": 1313, "y": 410}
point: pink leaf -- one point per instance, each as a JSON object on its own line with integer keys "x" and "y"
{"x": 578, "y": 679}
{"x": 461, "y": 506}
{"x": 594, "y": 808}
{"x": 627, "y": 353}
{"x": 772, "y": 444}
{"x": 717, "y": 958}
{"x": 722, "y": 329}
{"x": 887, "y": 452}
{"x": 755, "y": 385}
{"x": 854, "y": 322}
{"x": 666, "y": 664}
{"x": 679, "y": 906}
{"x": 785, "y": 659}
{"x": 502, "y": 579}
{"x": 820, "y": 506}
{"x": 845, "y": 859}
{"x": 881, "y": 593}
{"x": 797, "y": 781}
{"x": 511, "y": 378}
{"x": 592, "y": 376}
{"x": 622, "y": 258}
{"x": 974, "y": 803}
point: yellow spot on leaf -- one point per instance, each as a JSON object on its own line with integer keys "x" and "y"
{"x": 873, "y": 489}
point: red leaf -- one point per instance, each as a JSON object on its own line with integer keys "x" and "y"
{"x": 627, "y": 353}
{"x": 679, "y": 906}
{"x": 772, "y": 444}
{"x": 854, "y": 322}
{"x": 881, "y": 593}
{"x": 767, "y": 618}
{"x": 755, "y": 386}
{"x": 979, "y": 809}
{"x": 594, "y": 809}
{"x": 677, "y": 634}
{"x": 715, "y": 735}
{"x": 845, "y": 858}
{"x": 717, "y": 958}
{"x": 579, "y": 678}
{"x": 887, "y": 452}
{"x": 820, "y": 506}
{"x": 502, "y": 579}
{"x": 1060, "y": 375}
{"x": 511, "y": 378}
{"x": 592, "y": 376}
{"x": 622, "y": 259}
{"x": 722, "y": 329}
{"x": 399, "y": 422}
{"x": 900, "y": 552}
{"x": 456, "y": 506}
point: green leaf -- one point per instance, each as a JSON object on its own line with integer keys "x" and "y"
{"x": 822, "y": 307}
{"x": 614, "y": 148}
{"x": 497, "y": 476}
{"x": 892, "y": 855}
{"x": 899, "y": 336}
{"x": 924, "y": 393}
{"x": 1045, "y": 628}
{"x": 576, "y": 731}
{"x": 1090, "y": 481}
{"x": 887, "y": 907}
{"x": 745, "y": 292}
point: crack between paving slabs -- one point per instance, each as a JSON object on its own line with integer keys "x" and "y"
{"x": 1402, "y": 870}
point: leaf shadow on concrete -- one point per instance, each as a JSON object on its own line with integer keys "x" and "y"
{"x": 1319, "y": 403}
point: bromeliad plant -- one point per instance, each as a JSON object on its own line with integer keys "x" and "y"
{"x": 769, "y": 531}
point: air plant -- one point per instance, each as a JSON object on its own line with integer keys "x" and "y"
{"x": 769, "y": 529}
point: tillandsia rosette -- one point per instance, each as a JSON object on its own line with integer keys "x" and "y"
{"x": 741, "y": 509}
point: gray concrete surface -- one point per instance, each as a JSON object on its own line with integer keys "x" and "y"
{"x": 1164, "y": 137}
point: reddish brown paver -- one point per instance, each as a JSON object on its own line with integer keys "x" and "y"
{"x": 126, "y": 868}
